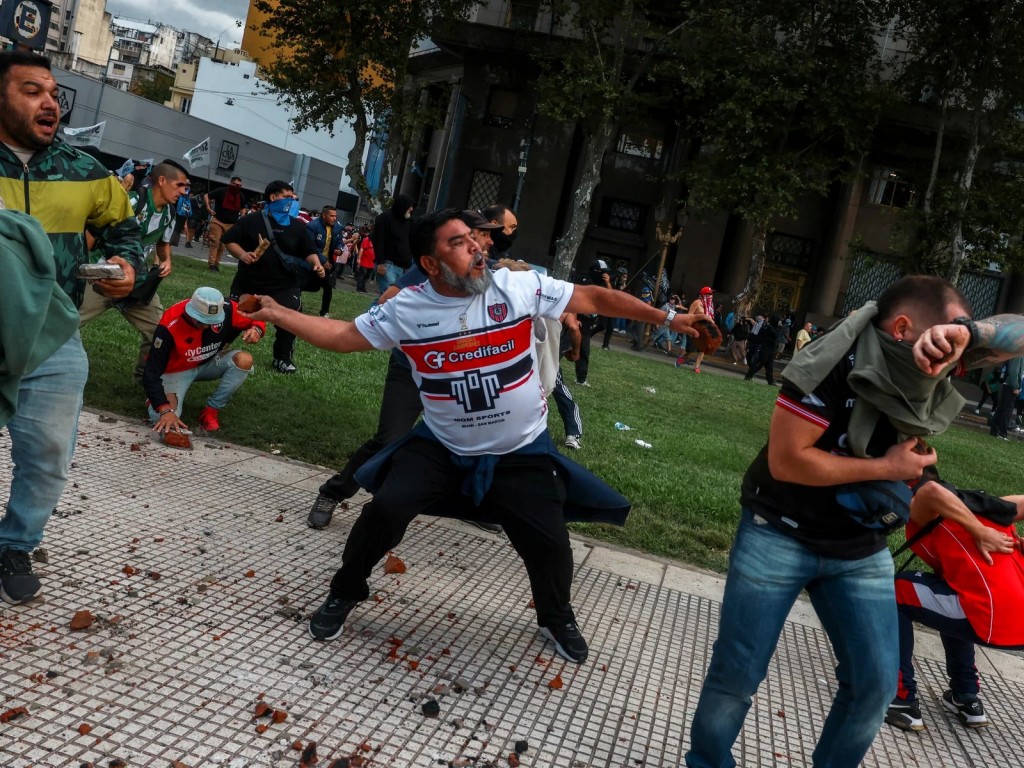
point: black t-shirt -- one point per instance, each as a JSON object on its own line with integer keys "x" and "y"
{"x": 268, "y": 274}
{"x": 227, "y": 214}
{"x": 741, "y": 331}
{"x": 811, "y": 514}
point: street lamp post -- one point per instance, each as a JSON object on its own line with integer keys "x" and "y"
{"x": 667, "y": 236}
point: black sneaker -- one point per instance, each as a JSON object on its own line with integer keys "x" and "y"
{"x": 905, "y": 715}
{"x": 568, "y": 641}
{"x": 17, "y": 582}
{"x": 284, "y": 366}
{"x": 967, "y": 708}
{"x": 328, "y": 620}
{"x": 320, "y": 515}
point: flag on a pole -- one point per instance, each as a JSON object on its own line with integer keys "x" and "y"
{"x": 89, "y": 136}
{"x": 199, "y": 154}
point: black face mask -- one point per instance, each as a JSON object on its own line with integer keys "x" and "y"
{"x": 503, "y": 242}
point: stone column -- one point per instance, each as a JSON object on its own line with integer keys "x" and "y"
{"x": 833, "y": 264}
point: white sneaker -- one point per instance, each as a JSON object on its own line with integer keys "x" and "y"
{"x": 572, "y": 441}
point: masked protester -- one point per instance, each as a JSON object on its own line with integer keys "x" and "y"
{"x": 279, "y": 270}
{"x": 391, "y": 242}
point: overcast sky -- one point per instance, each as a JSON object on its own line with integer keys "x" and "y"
{"x": 213, "y": 18}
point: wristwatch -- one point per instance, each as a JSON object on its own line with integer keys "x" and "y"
{"x": 972, "y": 329}
{"x": 669, "y": 314}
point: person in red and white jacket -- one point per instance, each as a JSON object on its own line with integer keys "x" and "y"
{"x": 191, "y": 344}
{"x": 975, "y": 595}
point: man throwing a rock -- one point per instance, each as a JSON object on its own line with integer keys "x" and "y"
{"x": 483, "y": 442}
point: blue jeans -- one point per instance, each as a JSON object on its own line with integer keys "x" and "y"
{"x": 854, "y": 600}
{"x": 220, "y": 367}
{"x": 43, "y": 432}
{"x": 390, "y": 277}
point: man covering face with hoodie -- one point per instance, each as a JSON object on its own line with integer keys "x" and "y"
{"x": 390, "y": 240}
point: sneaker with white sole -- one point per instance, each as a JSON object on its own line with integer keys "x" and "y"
{"x": 328, "y": 621}
{"x": 967, "y": 708}
{"x": 569, "y": 643}
{"x": 572, "y": 441}
{"x": 905, "y": 715}
{"x": 284, "y": 366}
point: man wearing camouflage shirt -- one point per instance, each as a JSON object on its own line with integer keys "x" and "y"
{"x": 155, "y": 208}
{"x": 68, "y": 192}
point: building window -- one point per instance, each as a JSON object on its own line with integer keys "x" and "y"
{"x": 890, "y": 189}
{"x": 623, "y": 215}
{"x": 522, "y": 14}
{"x": 186, "y": 105}
{"x": 483, "y": 189}
{"x": 118, "y": 68}
{"x": 639, "y": 143}
{"x": 790, "y": 251}
{"x": 502, "y": 105}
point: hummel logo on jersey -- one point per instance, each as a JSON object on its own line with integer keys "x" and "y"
{"x": 812, "y": 399}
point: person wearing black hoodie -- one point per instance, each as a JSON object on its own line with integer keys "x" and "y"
{"x": 390, "y": 238}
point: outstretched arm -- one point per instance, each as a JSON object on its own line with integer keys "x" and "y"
{"x": 598, "y": 300}
{"x": 335, "y": 335}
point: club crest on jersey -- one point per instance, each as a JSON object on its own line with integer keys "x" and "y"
{"x": 498, "y": 312}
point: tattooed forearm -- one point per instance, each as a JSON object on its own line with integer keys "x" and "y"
{"x": 1000, "y": 338}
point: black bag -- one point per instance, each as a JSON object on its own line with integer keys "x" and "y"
{"x": 289, "y": 262}
{"x": 882, "y": 505}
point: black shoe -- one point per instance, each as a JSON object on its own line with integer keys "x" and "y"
{"x": 328, "y": 620}
{"x": 320, "y": 515}
{"x": 188, "y": 244}
{"x": 569, "y": 643}
{"x": 967, "y": 708}
{"x": 214, "y": 268}
{"x": 284, "y": 366}
{"x": 905, "y": 715}
{"x": 489, "y": 527}
{"x": 17, "y": 582}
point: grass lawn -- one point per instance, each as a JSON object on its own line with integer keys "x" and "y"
{"x": 705, "y": 430}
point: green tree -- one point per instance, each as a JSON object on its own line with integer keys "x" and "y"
{"x": 965, "y": 70}
{"x": 600, "y": 63}
{"x": 346, "y": 62}
{"x": 790, "y": 91}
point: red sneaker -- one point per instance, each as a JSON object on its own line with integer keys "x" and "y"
{"x": 208, "y": 419}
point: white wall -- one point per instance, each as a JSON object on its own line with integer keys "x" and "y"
{"x": 256, "y": 113}
{"x": 139, "y": 128}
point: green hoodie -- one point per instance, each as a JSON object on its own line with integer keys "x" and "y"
{"x": 68, "y": 192}
{"x": 36, "y": 315}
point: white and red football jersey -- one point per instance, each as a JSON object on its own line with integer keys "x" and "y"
{"x": 473, "y": 357}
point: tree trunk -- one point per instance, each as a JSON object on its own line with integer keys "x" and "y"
{"x": 354, "y": 166}
{"x": 568, "y": 245}
{"x": 963, "y": 194}
{"x": 744, "y": 301}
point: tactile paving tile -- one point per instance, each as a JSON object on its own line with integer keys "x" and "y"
{"x": 200, "y": 570}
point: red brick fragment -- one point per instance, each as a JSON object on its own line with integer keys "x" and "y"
{"x": 556, "y": 682}
{"x": 309, "y": 756}
{"x": 135, "y": 448}
{"x": 128, "y": 571}
{"x": 250, "y": 574}
{"x": 81, "y": 620}
{"x": 262, "y": 710}
{"x": 84, "y": 728}
{"x": 262, "y": 728}
{"x": 13, "y": 714}
{"x": 513, "y": 759}
{"x": 394, "y": 565}
{"x": 279, "y": 716}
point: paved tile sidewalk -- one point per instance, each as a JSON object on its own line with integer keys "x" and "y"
{"x": 200, "y": 569}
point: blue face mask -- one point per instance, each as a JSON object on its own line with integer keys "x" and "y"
{"x": 283, "y": 210}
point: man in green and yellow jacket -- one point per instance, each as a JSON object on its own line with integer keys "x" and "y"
{"x": 69, "y": 193}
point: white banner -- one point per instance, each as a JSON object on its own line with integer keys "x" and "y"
{"x": 199, "y": 154}
{"x": 89, "y": 136}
